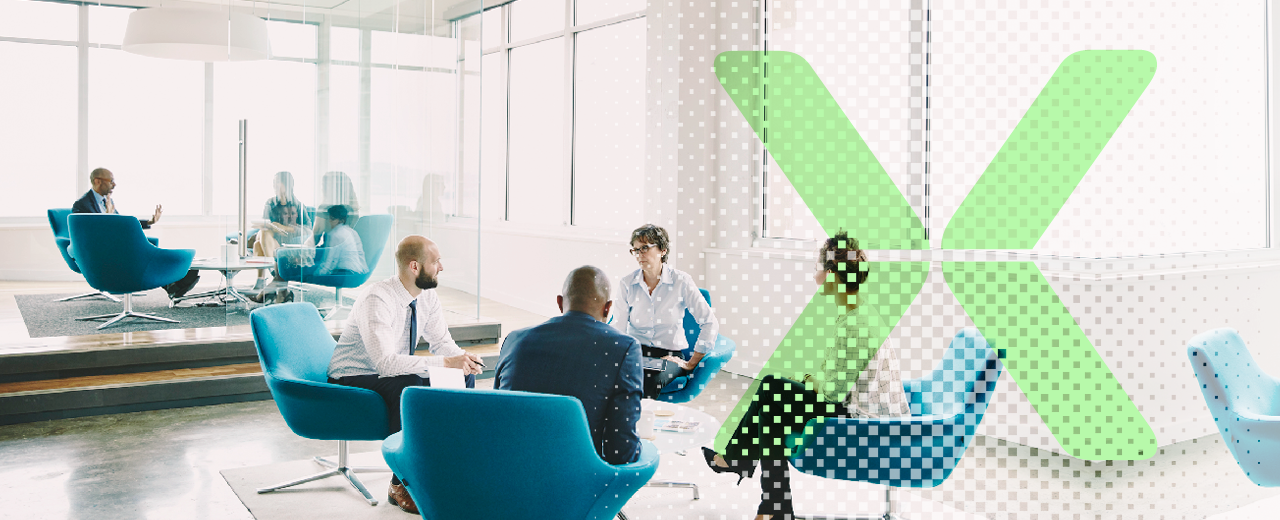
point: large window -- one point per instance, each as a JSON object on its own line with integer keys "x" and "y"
{"x": 564, "y": 114}
{"x": 165, "y": 127}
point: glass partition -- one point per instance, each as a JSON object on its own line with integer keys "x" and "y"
{"x": 363, "y": 127}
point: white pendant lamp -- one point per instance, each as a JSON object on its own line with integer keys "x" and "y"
{"x": 196, "y": 34}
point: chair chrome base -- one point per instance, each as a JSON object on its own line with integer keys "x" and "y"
{"x": 668, "y": 484}
{"x": 88, "y": 295}
{"x": 338, "y": 468}
{"x": 888, "y": 511}
{"x": 338, "y": 311}
{"x": 126, "y": 313}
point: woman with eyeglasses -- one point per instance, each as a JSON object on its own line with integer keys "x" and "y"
{"x": 650, "y": 307}
{"x": 858, "y": 378}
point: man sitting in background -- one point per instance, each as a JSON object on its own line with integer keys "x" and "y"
{"x": 578, "y": 355}
{"x": 98, "y": 200}
{"x": 345, "y": 250}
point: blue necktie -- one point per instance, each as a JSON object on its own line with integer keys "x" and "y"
{"x": 413, "y": 326}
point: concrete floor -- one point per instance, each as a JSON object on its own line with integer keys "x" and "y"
{"x": 165, "y": 463}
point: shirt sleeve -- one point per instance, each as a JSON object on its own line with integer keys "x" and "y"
{"x": 621, "y": 308}
{"x": 436, "y": 332}
{"x": 702, "y": 313}
{"x": 380, "y": 339}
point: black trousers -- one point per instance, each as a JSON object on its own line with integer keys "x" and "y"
{"x": 656, "y": 380}
{"x": 781, "y": 407}
{"x": 390, "y": 389}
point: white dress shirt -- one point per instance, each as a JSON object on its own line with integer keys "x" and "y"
{"x": 658, "y": 319}
{"x": 345, "y": 252}
{"x": 877, "y": 389}
{"x": 376, "y": 338}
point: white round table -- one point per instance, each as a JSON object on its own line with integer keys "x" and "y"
{"x": 681, "y": 442}
{"x": 229, "y": 268}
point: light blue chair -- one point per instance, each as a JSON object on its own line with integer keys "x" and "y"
{"x": 1244, "y": 401}
{"x": 374, "y": 231}
{"x": 686, "y": 388}
{"x": 58, "y": 224}
{"x": 496, "y": 454}
{"x": 295, "y": 347}
{"x": 115, "y": 257}
{"x": 917, "y": 451}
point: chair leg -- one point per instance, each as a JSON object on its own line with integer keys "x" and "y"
{"x": 89, "y": 295}
{"x": 358, "y": 469}
{"x": 126, "y": 313}
{"x": 888, "y": 511}
{"x": 335, "y": 469}
{"x": 669, "y": 484}
{"x": 336, "y": 312}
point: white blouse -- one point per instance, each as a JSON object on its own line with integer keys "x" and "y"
{"x": 658, "y": 319}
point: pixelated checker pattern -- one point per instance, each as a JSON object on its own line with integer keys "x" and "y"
{"x": 1050, "y": 150}
{"x": 1185, "y": 172}
{"x": 816, "y": 145}
{"x": 825, "y": 158}
{"x": 917, "y": 451}
{"x": 872, "y": 58}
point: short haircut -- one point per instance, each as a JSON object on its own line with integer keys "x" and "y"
{"x": 840, "y": 255}
{"x": 410, "y": 250}
{"x": 98, "y": 173}
{"x": 651, "y": 234}
{"x": 339, "y": 213}
{"x": 586, "y": 287}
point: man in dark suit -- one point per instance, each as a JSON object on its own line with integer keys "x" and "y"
{"x": 98, "y": 200}
{"x": 577, "y": 354}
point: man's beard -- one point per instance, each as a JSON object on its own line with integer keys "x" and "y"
{"x": 425, "y": 281}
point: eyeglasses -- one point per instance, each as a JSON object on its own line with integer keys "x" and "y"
{"x": 641, "y": 250}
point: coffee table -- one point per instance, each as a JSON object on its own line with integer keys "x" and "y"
{"x": 229, "y": 268}
{"x": 681, "y": 442}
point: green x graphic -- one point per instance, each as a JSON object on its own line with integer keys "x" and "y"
{"x": 1014, "y": 201}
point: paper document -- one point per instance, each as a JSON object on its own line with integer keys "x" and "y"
{"x": 445, "y": 377}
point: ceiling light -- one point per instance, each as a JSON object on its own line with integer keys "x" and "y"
{"x": 196, "y": 34}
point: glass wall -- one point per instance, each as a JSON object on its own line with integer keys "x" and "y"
{"x": 373, "y": 107}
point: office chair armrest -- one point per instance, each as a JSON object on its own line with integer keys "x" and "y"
{"x": 330, "y": 412}
{"x": 392, "y": 450}
{"x": 628, "y": 478}
{"x": 1258, "y": 420}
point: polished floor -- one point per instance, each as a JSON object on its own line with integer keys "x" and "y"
{"x": 165, "y": 463}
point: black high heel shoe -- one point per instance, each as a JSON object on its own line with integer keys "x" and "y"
{"x": 743, "y": 468}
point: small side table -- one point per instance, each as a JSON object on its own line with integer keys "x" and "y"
{"x": 229, "y": 269}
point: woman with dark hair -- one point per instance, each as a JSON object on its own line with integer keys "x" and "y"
{"x": 858, "y": 379}
{"x": 650, "y": 307}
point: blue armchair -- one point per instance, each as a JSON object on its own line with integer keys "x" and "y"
{"x": 455, "y": 443}
{"x": 374, "y": 231}
{"x": 685, "y": 388}
{"x": 916, "y": 451}
{"x": 58, "y": 223}
{"x": 294, "y": 348}
{"x": 115, "y": 257}
{"x": 1244, "y": 401}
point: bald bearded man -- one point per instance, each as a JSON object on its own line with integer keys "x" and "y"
{"x": 578, "y": 355}
{"x": 376, "y": 350}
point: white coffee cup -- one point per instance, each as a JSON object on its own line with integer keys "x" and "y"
{"x": 644, "y": 426}
{"x": 230, "y": 253}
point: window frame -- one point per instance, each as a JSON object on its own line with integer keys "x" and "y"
{"x": 569, "y": 34}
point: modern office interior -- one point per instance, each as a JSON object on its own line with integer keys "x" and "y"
{"x": 1065, "y": 209}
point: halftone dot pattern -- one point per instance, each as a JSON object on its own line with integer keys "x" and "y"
{"x": 916, "y": 451}
{"x": 1048, "y": 153}
{"x": 1195, "y": 139}
{"x": 1053, "y": 362}
{"x": 1138, "y": 313}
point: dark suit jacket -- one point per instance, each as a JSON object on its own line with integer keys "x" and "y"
{"x": 87, "y": 203}
{"x": 576, "y": 355}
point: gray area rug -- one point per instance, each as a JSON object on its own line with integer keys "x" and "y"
{"x": 45, "y": 317}
{"x": 334, "y": 499}
{"x": 996, "y": 480}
